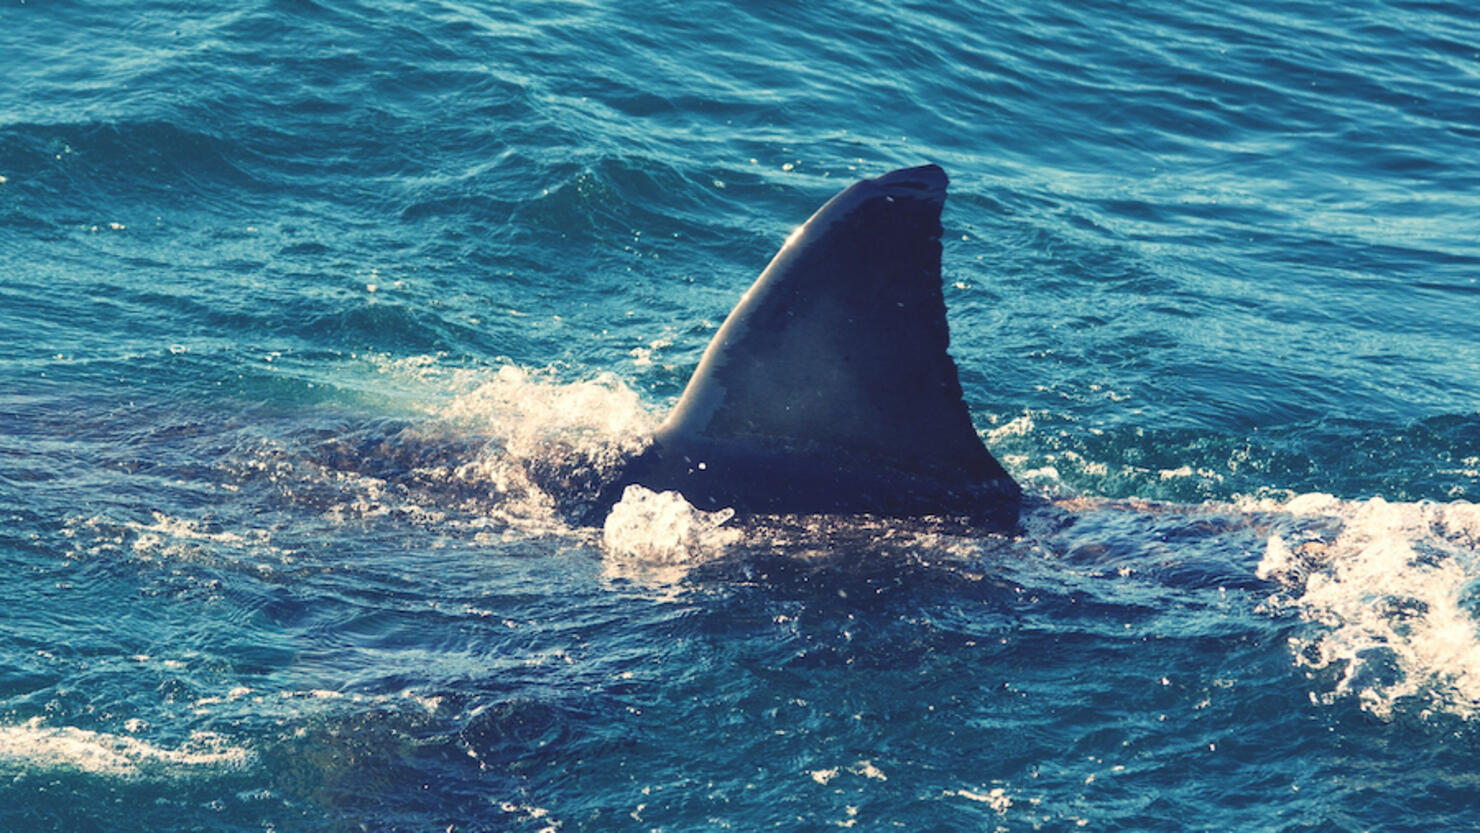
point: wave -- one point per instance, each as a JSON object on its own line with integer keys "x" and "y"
{"x": 82, "y": 165}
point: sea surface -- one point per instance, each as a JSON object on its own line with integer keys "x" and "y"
{"x": 295, "y": 296}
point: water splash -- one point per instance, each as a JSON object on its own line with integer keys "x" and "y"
{"x": 532, "y": 410}
{"x": 657, "y": 537}
{"x": 553, "y": 444}
{"x": 1396, "y": 593}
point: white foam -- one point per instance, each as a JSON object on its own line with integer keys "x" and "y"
{"x": 528, "y": 410}
{"x": 823, "y": 776}
{"x": 995, "y": 798}
{"x": 1393, "y": 594}
{"x": 166, "y": 538}
{"x": 166, "y": 532}
{"x": 530, "y": 416}
{"x": 538, "y": 815}
{"x": 659, "y": 536}
{"x": 495, "y": 451}
{"x": 863, "y": 769}
{"x": 1017, "y": 427}
{"x": 31, "y": 745}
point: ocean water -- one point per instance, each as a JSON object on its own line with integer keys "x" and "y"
{"x": 295, "y": 295}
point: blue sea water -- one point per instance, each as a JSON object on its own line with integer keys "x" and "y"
{"x": 294, "y": 295}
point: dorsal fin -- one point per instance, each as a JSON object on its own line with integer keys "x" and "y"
{"x": 829, "y": 387}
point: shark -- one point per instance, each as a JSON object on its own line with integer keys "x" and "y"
{"x": 829, "y": 388}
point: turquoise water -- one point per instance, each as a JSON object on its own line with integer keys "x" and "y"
{"x": 294, "y": 296}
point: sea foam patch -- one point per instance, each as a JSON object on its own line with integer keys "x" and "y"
{"x": 35, "y": 746}
{"x": 1395, "y": 593}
